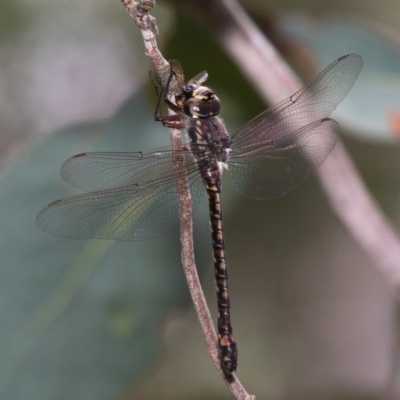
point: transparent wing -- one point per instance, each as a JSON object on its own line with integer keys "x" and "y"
{"x": 125, "y": 213}
{"x": 315, "y": 101}
{"x": 274, "y": 168}
{"x": 177, "y": 70}
{"x": 199, "y": 79}
{"x": 99, "y": 171}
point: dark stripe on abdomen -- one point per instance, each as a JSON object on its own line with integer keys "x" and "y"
{"x": 226, "y": 340}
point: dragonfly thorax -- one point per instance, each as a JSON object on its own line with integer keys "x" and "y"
{"x": 221, "y": 149}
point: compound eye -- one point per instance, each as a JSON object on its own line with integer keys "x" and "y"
{"x": 197, "y": 108}
{"x": 215, "y": 106}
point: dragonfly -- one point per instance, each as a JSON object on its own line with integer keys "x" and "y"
{"x": 134, "y": 196}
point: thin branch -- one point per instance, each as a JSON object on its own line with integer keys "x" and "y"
{"x": 344, "y": 188}
{"x": 147, "y": 24}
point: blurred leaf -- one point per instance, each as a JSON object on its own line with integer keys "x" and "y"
{"x": 372, "y": 108}
{"x": 80, "y": 319}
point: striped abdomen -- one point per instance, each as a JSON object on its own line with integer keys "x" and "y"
{"x": 226, "y": 340}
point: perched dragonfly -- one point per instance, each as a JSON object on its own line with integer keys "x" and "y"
{"x": 133, "y": 196}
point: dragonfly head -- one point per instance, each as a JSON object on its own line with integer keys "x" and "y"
{"x": 200, "y": 101}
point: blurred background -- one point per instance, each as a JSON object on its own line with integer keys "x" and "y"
{"x": 98, "y": 319}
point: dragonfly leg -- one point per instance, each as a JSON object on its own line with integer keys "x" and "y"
{"x": 170, "y": 121}
{"x": 159, "y": 94}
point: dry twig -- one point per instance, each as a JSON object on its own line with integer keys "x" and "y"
{"x": 147, "y": 24}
